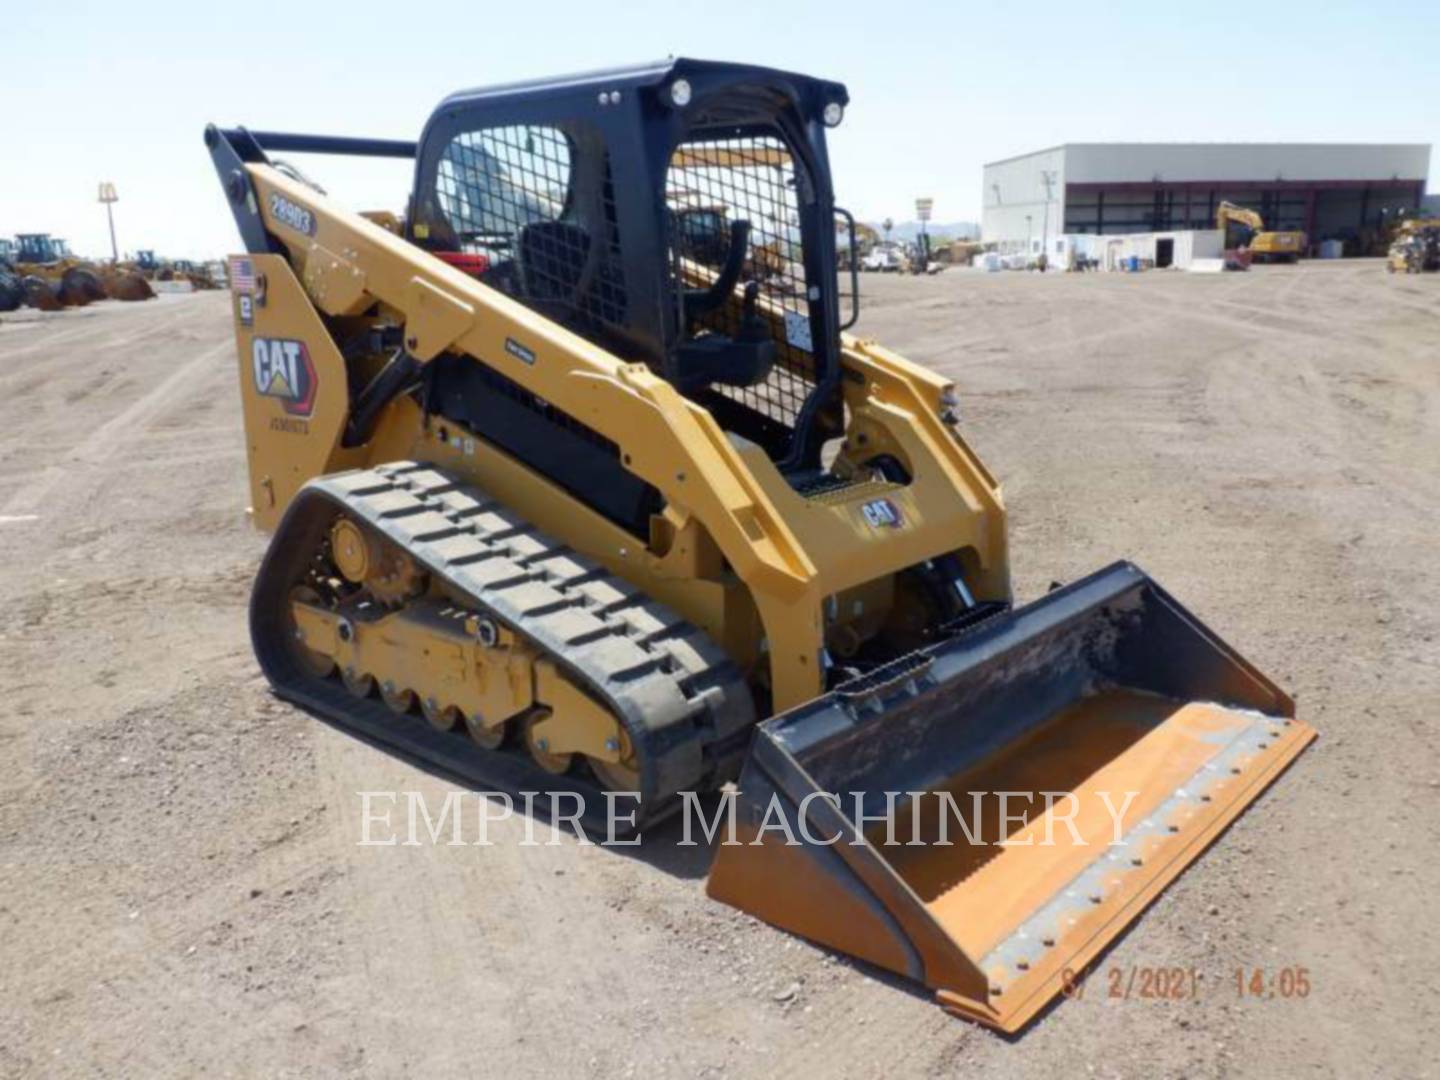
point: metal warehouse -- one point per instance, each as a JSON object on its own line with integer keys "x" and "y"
{"x": 1340, "y": 191}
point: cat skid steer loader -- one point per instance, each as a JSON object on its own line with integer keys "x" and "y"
{"x": 566, "y": 496}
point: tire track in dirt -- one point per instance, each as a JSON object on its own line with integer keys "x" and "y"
{"x": 119, "y": 432}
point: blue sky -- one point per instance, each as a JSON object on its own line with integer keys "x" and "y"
{"x": 122, "y": 90}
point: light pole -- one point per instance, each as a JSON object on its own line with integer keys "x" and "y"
{"x": 1029, "y": 235}
{"x": 1048, "y": 178}
{"x": 109, "y": 198}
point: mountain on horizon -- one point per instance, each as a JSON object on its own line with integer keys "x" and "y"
{"x": 952, "y": 230}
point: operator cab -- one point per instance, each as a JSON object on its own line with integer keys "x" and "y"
{"x": 39, "y": 248}
{"x": 678, "y": 213}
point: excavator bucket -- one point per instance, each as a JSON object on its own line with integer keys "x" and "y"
{"x": 986, "y": 816}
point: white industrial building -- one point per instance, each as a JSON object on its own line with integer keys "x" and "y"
{"x": 1331, "y": 191}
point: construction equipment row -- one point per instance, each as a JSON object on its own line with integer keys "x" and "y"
{"x": 40, "y": 271}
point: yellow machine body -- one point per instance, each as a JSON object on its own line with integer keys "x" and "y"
{"x": 1284, "y": 246}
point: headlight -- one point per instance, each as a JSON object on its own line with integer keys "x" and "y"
{"x": 950, "y": 406}
{"x": 680, "y": 93}
{"x": 834, "y": 113}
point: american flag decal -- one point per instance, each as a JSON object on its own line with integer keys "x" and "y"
{"x": 242, "y": 274}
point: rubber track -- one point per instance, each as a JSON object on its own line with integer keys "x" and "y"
{"x": 683, "y": 703}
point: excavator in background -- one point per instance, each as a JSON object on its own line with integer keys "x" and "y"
{"x": 564, "y": 498}
{"x": 1247, "y": 240}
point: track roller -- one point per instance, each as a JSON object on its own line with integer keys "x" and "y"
{"x": 440, "y": 717}
{"x": 360, "y": 684}
{"x": 540, "y": 750}
{"x": 400, "y": 699}
{"x": 487, "y": 738}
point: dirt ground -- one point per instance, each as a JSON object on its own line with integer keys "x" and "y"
{"x": 183, "y": 892}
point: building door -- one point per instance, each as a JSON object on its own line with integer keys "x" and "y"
{"x": 1164, "y": 252}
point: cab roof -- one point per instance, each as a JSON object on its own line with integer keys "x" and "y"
{"x": 711, "y": 73}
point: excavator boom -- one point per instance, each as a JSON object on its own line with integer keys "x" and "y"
{"x": 1246, "y": 238}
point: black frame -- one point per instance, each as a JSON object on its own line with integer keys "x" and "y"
{"x": 630, "y": 110}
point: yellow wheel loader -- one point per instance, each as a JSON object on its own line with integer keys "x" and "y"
{"x": 51, "y": 276}
{"x": 567, "y": 497}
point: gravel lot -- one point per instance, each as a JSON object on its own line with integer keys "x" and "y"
{"x": 184, "y": 894}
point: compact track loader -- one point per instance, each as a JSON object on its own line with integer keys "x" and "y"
{"x": 573, "y": 488}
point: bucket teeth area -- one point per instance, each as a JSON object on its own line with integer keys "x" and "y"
{"x": 1058, "y": 926}
{"x": 1011, "y": 809}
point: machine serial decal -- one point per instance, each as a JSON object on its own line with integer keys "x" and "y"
{"x": 520, "y": 352}
{"x": 797, "y": 331}
{"x": 882, "y": 513}
{"x": 283, "y": 369}
{"x": 292, "y": 215}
